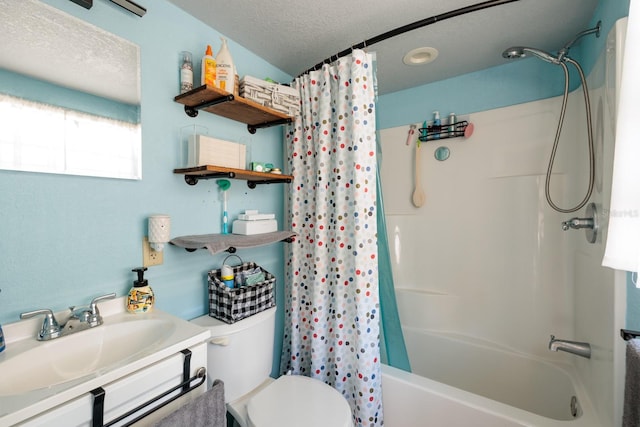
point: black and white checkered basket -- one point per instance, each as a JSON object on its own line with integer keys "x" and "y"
{"x": 233, "y": 304}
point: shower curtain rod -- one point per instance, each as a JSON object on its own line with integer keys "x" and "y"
{"x": 410, "y": 27}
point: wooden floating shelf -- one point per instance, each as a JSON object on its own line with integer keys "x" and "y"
{"x": 192, "y": 175}
{"x": 231, "y": 106}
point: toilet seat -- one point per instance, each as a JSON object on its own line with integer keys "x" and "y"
{"x": 293, "y": 400}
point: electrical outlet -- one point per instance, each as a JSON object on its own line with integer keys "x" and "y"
{"x": 149, "y": 256}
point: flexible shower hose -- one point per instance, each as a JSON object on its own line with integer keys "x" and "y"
{"x": 592, "y": 165}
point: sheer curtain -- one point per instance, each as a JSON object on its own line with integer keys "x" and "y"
{"x": 332, "y": 325}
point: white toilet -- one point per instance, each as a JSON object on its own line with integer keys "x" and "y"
{"x": 241, "y": 355}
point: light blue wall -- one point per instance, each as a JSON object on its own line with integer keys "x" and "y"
{"x": 67, "y": 239}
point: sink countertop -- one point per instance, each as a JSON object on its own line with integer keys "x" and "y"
{"x": 21, "y": 336}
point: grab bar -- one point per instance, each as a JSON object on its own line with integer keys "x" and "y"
{"x": 185, "y": 386}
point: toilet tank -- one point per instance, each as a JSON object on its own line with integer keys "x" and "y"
{"x": 240, "y": 354}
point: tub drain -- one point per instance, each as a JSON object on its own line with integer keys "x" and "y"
{"x": 574, "y": 406}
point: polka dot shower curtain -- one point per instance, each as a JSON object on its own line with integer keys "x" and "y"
{"x": 331, "y": 287}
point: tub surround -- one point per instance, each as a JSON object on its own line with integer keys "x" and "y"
{"x": 485, "y": 258}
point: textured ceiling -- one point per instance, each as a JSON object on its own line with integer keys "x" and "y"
{"x": 296, "y": 35}
{"x": 40, "y": 41}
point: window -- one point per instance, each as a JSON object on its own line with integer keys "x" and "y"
{"x": 38, "y": 137}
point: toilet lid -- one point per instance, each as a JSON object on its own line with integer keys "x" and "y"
{"x": 293, "y": 401}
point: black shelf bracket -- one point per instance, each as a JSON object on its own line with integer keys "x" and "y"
{"x": 252, "y": 184}
{"x": 193, "y": 179}
{"x": 192, "y": 111}
{"x": 628, "y": 334}
{"x": 253, "y": 128}
{"x": 233, "y": 249}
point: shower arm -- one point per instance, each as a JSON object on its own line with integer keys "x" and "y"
{"x": 563, "y": 52}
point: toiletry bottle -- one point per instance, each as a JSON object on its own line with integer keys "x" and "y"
{"x": 452, "y": 124}
{"x": 186, "y": 72}
{"x": 436, "y": 125}
{"x": 208, "y": 75}
{"x": 140, "y": 298}
{"x": 225, "y": 70}
{"x": 226, "y": 274}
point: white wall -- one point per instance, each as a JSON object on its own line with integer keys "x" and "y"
{"x": 485, "y": 253}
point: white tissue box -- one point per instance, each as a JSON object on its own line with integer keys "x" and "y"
{"x": 204, "y": 150}
{"x": 241, "y": 226}
{"x": 256, "y": 216}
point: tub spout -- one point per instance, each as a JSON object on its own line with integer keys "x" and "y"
{"x": 582, "y": 349}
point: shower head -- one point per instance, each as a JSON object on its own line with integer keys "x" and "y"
{"x": 522, "y": 52}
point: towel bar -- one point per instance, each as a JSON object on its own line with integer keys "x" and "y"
{"x": 628, "y": 334}
{"x": 185, "y": 387}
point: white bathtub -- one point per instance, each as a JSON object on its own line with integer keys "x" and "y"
{"x": 461, "y": 383}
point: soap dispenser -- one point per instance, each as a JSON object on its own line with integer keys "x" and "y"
{"x": 140, "y": 298}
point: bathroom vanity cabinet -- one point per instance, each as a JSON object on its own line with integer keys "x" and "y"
{"x": 127, "y": 393}
{"x": 93, "y": 377}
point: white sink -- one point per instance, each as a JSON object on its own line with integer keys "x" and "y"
{"x": 64, "y": 359}
{"x": 38, "y": 375}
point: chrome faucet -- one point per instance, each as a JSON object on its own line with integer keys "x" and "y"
{"x": 578, "y": 348}
{"x": 79, "y": 319}
{"x": 50, "y": 328}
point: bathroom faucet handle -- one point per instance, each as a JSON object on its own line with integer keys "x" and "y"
{"x": 95, "y": 318}
{"x": 50, "y": 327}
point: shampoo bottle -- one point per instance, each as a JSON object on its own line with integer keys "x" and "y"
{"x": 208, "y": 74}
{"x": 437, "y": 125}
{"x": 225, "y": 70}
{"x": 140, "y": 298}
